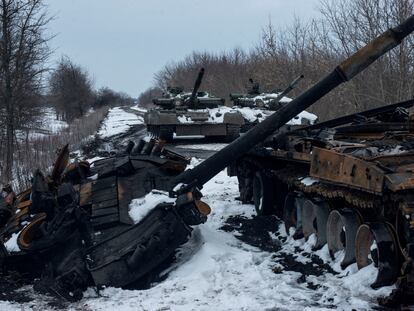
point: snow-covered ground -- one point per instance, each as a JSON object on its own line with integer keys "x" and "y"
{"x": 46, "y": 125}
{"x": 212, "y": 147}
{"x": 139, "y": 109}
{"x": 49, "y": 121}
{"x": 118, "y": 121}
{"x": 216, "y": 270}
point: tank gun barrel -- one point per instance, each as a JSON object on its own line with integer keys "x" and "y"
{"x": 289, "y": 88}
{"x": 345, "y": 71}
{"x": 193, "y": 97}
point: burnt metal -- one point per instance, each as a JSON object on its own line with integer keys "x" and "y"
{"x": 358, "y": 169}
{"x": 345, "y": 71}
{"x": 384, "y": 252}
{"x": 85, "y": 237}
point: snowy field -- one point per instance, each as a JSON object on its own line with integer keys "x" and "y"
{"x": 49, "y": 121}
{"x": 46, "y": 125}
{"x": 218, "y": 270}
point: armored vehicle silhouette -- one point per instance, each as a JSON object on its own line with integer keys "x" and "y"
{"x": 255, "y": 106}
{"x": 256, "y": 99}
{"x": 101, "y": 226}
{"x": 192, "y": 114}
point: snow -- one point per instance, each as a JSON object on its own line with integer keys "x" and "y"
{"x": 46, "y": 125}
{"x": 267, "y": 97}
{"x": 216, "y": 271}
{"x": 213, "y": 147}
{"x": 49, "y": 121}
{"x": 395, "y": 151}
{"x": 349, "y": 289}
{"x": 216, "y": 115}
{"x": 11, "y": 244}
{"x": 118, "y": 121}
{"x": 308, "y": 181}
{"x": 257, "y": 114}
{"x": 138, "y": 108}
{"x": 140, "y": 207}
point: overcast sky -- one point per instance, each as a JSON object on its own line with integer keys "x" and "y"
{"x": 122, "y": 43}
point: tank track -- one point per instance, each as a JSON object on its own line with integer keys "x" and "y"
{"x": 328, "y": 207}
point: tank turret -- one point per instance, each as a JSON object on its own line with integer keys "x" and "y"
{"x": 256, "y": 99}
{"x": 113, "y": 224}
{"x": 342, "y": 73}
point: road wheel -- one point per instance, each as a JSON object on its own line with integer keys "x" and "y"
{"x": 375, "y": 243}
{"x": 263, "y": 194}
{"x": 292, "y": 214}
{"x": 341, "y": 231}
{"x": 314, "y": 219}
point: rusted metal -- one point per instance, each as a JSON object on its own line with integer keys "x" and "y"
{"x": 346, "y": 170}
{"x": 375, "y": 242}
{"x": 345, "y": 71}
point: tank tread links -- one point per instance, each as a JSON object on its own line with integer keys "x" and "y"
{"x": 347, "y": 181}
{"x": 74, "y": 228}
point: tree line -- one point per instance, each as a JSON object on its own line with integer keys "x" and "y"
{"x": 311, "y": 48}
{"x": 27, "y": 84}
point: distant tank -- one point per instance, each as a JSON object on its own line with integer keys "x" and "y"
{"x": 257, "y": 99}
{"x": 192, "y": 114}
{"x": 255, "y": 106}
{"x": 77, "y": 227}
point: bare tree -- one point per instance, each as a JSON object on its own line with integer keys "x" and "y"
{"x": 71, "y": 89}
{"x": 312, "y": 48}
{"x": 146, "y": 97}
{"x": 108, "y": 97}
{"x": 23, "y": 54}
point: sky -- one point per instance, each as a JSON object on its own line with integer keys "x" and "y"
{"x": 123, "y": 43}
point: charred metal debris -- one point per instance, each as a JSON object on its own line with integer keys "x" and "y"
{"x": 348, "y": 181}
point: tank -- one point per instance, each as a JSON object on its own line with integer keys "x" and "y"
{"x": 192, "y": 114}
{"x": 117, "y": 223}
{"x": 347, "y": 181}
{"x": 269, "y": 101}
{"x": 72, "y": 228}
{"x": 255, "y": 106}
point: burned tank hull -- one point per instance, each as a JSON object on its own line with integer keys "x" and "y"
{"x": 349, "y": 183}
{"x": 75, "y": 230}
{"x": 59, "y": 219}
{"x": 357, "y": 198}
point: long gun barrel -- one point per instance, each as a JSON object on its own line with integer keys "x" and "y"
{"x": 288, "y": 89}
{"x": 353, "y": 65}
{"x": 193, "y": 97}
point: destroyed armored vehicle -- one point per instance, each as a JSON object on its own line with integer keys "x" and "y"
{"x": 115, "y": 223}
{"x": 347, "y": 181}
{"x": 192, "y": 114}
{"x": 76, "y": 228}
{"x": 255, "y": 106}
